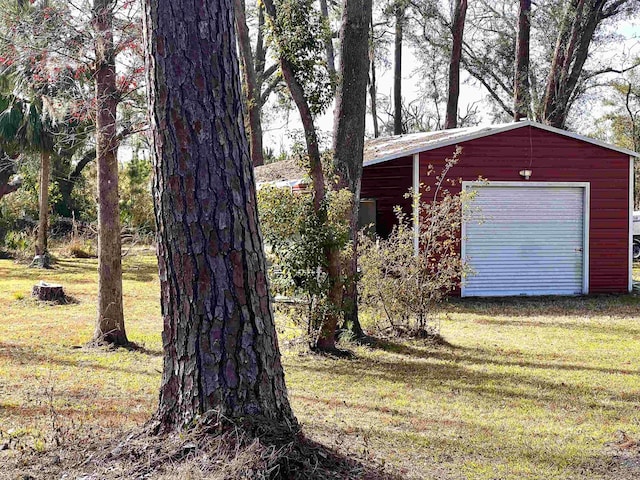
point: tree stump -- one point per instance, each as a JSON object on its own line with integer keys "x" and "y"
{"x": 41, "y": 261}
{"x": 48, "y": 292}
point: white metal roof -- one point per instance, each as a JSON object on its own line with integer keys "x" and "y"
{"x": 384, "y": 149}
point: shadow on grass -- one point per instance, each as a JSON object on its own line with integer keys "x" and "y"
{"x": 76, "y": 265}
{"x": 134, "y": 347}
{"x": 71, "y": 413}
{"x": 557, "y": 306}
{"x": 481, "y": 356}
{"x": 140, "y": 272}
{"x": 574, "y": 325}
{"x": 133, "y": 269}
{"x": 62, "y": 267}
{"x": 492, "y": 444}
{"x": 28, "y": 355}
{"x": 447, "y": 373}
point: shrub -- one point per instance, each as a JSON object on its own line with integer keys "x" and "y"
{"x": 78, "y": 247}
{"x": 20, "y": 243}
{"x": 136, "y": 200}
{"x": 407, "y": 287}
{"x": 296, "y": 241}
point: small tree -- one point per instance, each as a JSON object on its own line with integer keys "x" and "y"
{"x": 298, "y": 240}
{"x": 406, "y": 285}
{"x": 27, "y": 125}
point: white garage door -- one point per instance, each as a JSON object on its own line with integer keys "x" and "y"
{"x": 525, "y": 239}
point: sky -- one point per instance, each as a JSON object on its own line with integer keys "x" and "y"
{"x": 279, "y": 138}
{"x": 279, "y": 131}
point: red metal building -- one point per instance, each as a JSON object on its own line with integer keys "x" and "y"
{"x": 556, "y": 210}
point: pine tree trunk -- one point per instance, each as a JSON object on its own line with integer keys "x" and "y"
{"x": 251, "y": 88}
{"x": 220, "y": 345}
{"x": 521, "y": 94}
{"x": 460, "y": 13}
{"x": 328, "y": 42}
{"x": 373, "y": 88}
{"x": 349, "y": 129}
{"x": 110, "y": 323}
{"x": 397, "y": 71}
{"x": 41, "y": 259}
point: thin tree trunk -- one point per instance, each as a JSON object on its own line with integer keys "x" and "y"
{"x": 110, "y": 321}
{"x": 521, "y": 95}
{"x": 397, "y": 70}
{"x": 221, "y": 350}
{"x": 67, "y": 185}
{"x": 43, "y": 217}
{"x": 326, "y": 337}
{"x": 328, "y": 42}
{"x": 460, "y": 13}
{"x": 579, "y": 52}
{"x": 551, "y": 111}
{"x": 373, "y": 89}
{"x": 251, "y": 85}
{"x": 261, "y": 52}
{"x": 310, "y": 133}
{"x": 348, "y": 147}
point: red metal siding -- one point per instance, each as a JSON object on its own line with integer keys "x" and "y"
{"x": 552, "y": 158}
{"x": 387, "y": 183}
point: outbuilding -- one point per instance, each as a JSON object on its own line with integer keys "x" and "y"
{"x": 556, "y": 207}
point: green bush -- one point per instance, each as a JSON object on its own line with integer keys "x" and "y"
{"x": 296, "y": 240}
{"x": 20, "y": 243}
{"x": 136, "y": 200}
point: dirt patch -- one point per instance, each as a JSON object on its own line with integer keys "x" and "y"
{"x": 625, "y": 456}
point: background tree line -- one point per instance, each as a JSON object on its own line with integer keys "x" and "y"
{"x": 72, "y": 85}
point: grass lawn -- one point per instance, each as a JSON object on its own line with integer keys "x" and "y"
{"x": 527, "y": 388}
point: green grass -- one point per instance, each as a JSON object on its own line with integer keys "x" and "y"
{"x": 527, "y": 388}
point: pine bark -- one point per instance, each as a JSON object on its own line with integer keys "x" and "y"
{"x": 457, "y": 28}
{"x": 397, "y": 70}
{"x": 220, "y": 345}
{"x": 521, "y": 95}
{"x": 110, "y": 322}
{"x": 43, "y": 216}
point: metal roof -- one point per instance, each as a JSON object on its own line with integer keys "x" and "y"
{"x": 382, "y": 150}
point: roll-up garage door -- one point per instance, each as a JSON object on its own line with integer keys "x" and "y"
{"x": 525, "y": 240}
